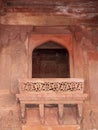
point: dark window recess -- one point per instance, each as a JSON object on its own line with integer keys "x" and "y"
{"x": 50, "y": 60}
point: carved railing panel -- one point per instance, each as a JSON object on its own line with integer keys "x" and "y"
{"x": 51, "y": 85}
{"x": 51, "y": 91}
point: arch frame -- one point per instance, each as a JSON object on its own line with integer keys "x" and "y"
{"x": 36, "y": 40}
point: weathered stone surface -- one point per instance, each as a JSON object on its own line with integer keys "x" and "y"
{"x": 49, "y": 12}
{"x": 73, "y": 25}
{"x": 67, "y": 127}
{"x": 34, "y": 20}
{"x": 93, "y": 74}
{"x": 9, "y": 119}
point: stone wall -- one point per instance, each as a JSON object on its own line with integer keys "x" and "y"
{"x": 14, "y": 42}
{"x": 13, "y": 55}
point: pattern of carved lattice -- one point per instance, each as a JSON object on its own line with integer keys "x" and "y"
{"x": 51, "y": 86}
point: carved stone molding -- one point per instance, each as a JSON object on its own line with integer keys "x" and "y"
{"x": 68, "y": 86}
{"x": 58, "y": 91}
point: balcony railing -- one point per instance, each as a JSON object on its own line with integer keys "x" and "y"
{"x": 51, "y": 91}
{"x": 51, "y": 85}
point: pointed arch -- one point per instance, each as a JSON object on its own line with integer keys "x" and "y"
{"x": 50, "y": 60}
{"x": 65, "y": 41}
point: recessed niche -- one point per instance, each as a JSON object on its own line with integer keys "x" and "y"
{"x": 50, "y": 60}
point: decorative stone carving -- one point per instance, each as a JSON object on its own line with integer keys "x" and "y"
{"x": 51, "y": 91}
{"x": 51, "y": 86}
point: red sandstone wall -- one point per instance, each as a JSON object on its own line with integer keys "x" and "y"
{"x": 93, "y": 77}
{"x": 14, "y": 57}
{"x": 14, "y": 64}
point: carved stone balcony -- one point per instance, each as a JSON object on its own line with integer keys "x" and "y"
{"x": 44, "y": 91}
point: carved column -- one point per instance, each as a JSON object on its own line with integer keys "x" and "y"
{"x": 41, "y": 111}
{"x": 60, "y": 110}
{"x": 23, "y": 112}
{"x": 80, "y": 111}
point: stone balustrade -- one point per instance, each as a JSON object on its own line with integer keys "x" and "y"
{"x": 51, "y": 91}
{"x": 51, "y": 85}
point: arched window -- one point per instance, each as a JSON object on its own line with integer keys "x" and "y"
{"x": 50, "y": 60}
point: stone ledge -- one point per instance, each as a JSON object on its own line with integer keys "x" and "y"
{"x": 40, "y": 127}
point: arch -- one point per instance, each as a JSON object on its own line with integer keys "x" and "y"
{"x": 37, "y": 40}
{"x": 59, "y": 40}
{"x": 50, "y": 60}
{"x": 52, "y": 44}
